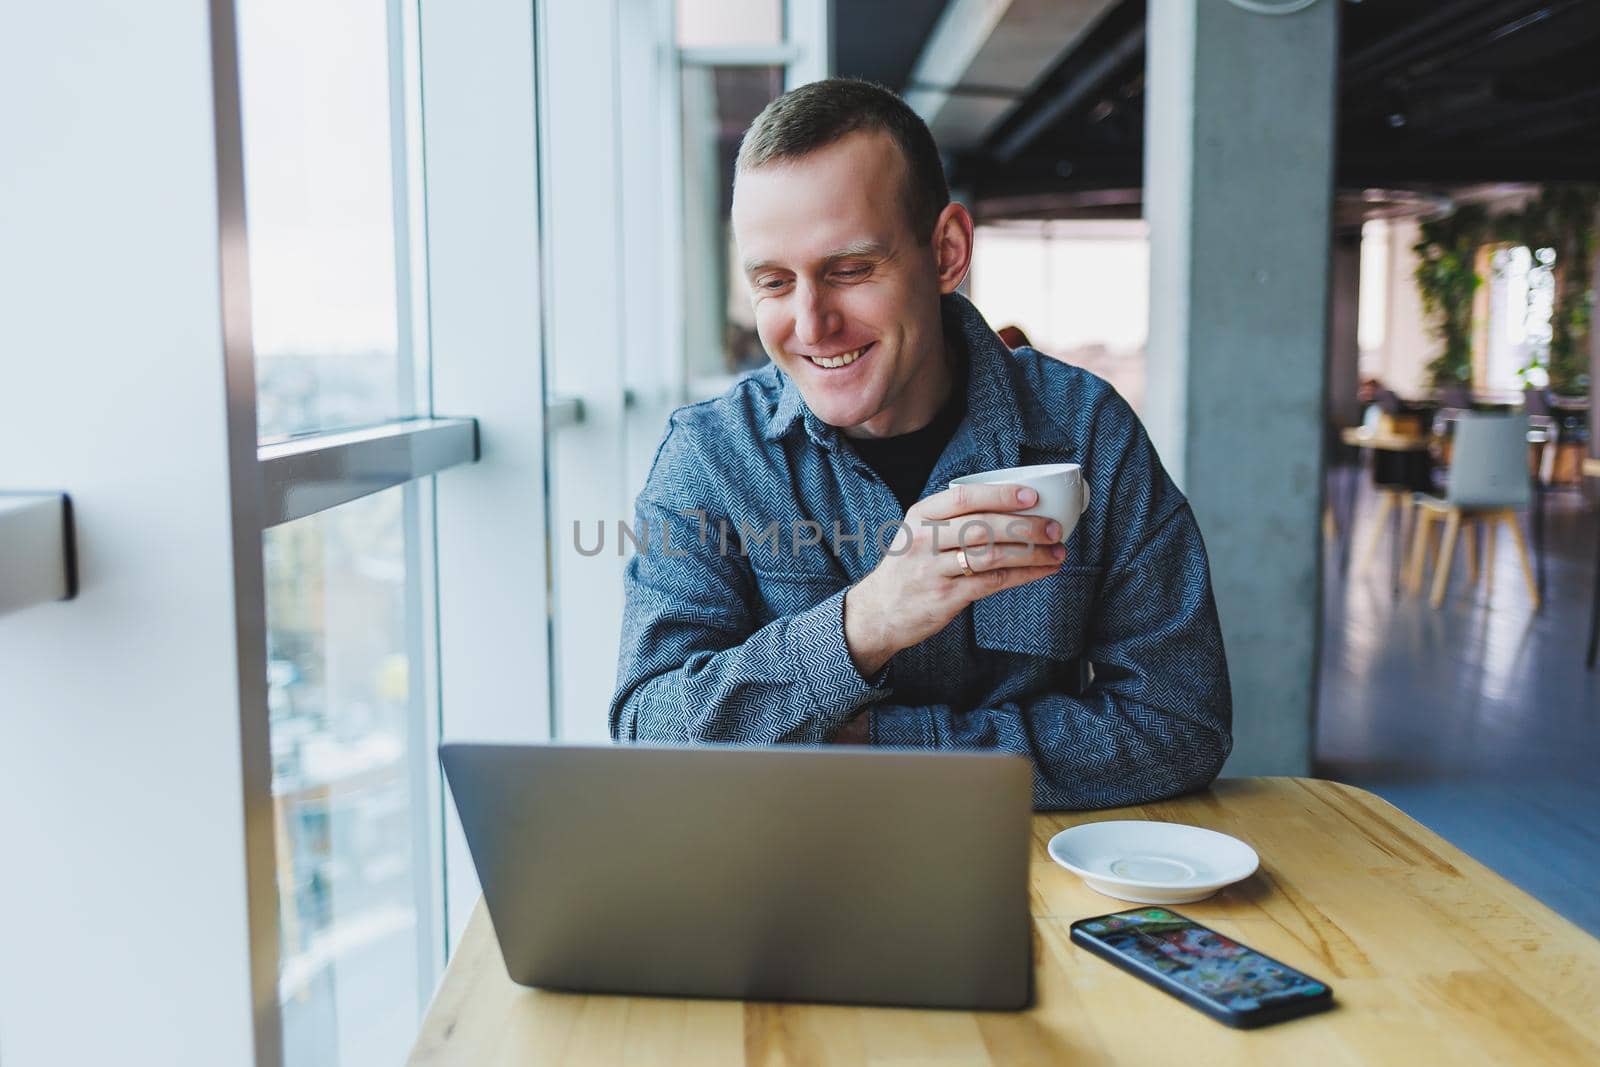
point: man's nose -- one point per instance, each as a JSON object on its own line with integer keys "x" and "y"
{"x": 813, "y": 318}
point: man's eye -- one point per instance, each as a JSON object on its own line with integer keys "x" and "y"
{"x": 850, "y": 272}
{"x": 772, "y": 284}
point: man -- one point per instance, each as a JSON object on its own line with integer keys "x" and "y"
{"x": 801, "y": 577}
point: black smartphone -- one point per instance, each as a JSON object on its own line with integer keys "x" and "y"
{"x": 1228, "y": 981}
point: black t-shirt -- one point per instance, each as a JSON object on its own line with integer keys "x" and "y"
{"x": 905, "y": 461}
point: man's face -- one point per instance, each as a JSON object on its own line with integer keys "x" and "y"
{"x": 846, "y": 296}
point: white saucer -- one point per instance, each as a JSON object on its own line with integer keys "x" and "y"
{"x": 1153, "y": 862}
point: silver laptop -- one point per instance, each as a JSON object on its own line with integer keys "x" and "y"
{"x": 844, "y": 875}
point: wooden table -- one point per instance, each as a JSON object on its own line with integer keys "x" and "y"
{"x": 1382, "y": 441}
{"x": 1432, "y": 957}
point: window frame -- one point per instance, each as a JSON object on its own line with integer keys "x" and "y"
{"x": 446, "y": 242}
{"x": 619, "y": 325}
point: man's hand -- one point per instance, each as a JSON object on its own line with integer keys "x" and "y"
{"x": 920, "y": 585}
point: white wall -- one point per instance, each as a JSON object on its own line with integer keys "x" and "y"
{"x": 650, "y": 147}
{"x": 581, "y": 184}
{"x": 479, "y": 132}
{"x": 1409, "y": 344}
{"x": 122, "y": 881}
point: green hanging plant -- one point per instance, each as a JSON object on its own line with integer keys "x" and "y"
{"x": 1447, "y": 281}
{"x": 1563, "y": 218}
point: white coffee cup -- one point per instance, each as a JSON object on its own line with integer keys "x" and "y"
{"x": 1063, "y": 494}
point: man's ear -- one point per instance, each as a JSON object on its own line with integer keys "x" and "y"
{"x": 952, "y": 246}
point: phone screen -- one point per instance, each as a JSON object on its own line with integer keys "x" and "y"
{"x": 1237, "y": 979}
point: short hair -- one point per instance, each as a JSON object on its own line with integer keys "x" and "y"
{"x": 819, "y": 113}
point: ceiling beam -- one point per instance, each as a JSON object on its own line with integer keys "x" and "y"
{"x": 1511, "y": 115}
{"x": 1071, "y": 94}
{"x": 1020, "y": 193}
{"x": 984, "y": 56}
{"x": 1558, "y": 125}
{"x": 1446, "y": 25}
{"x": 1477, "y": 164}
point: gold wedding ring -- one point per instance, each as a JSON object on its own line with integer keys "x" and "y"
{"x": 961, "y": 558}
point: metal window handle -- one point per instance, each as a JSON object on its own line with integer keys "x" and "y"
{"x": 38, "y": 559}
{"x": 560, "y": 411}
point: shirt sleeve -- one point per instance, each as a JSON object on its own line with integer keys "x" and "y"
{"x": 1156, "y": 719}
{"x": 695, "y": 666}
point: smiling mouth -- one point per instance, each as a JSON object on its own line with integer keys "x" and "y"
{"x": 835, "y": 362}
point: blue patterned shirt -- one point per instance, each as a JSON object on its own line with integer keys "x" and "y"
{"x": 757, "y": 517}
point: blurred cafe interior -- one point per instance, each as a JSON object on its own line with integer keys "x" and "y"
{"x": 332, "y": 327}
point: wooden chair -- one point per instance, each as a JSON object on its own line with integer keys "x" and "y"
{"x": 1394, "y": 499}
{"x": 1401, "y": 471}
{"x": 1488, "y": 485}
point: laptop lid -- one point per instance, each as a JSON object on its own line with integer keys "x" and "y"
{"x": 842, "y": 875}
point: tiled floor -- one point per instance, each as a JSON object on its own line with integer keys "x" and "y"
{"x": 1478, "y": 719}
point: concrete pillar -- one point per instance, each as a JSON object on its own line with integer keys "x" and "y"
{"x": 1238, "y": 193}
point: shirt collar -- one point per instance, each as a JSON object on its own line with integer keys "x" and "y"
{"x": 987, "y": 438}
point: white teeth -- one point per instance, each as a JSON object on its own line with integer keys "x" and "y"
{"x": 840, "y": 361}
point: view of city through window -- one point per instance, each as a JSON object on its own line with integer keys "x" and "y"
{"x": 349, "y": 746}
{"x": 341, "y": 699}
{"x": 320, "y": 208}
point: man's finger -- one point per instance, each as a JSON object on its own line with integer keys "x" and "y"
{"x": 1005, "y": 556}
{"x": 966, "y": 499}
{"x": 982, "y": 528}
{"x": 988, "y": 583}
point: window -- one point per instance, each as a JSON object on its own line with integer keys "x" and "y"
{"x": 1522, "y": 288}
{"x": 719, "y": 103}
{"x": 320, "y": 208}
{"x": 1372, "y": 306}
{"x": 328, "y": 101}
{"x": 725, "y": 23}
{"x": 352, "y": 727}
{"x": 240, "y": 787}
{"x": 637, "y": 148}
{"x": 1079, "y": 289}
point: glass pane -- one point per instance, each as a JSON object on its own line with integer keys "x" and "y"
{"x": 1078, "y": 289}
{"x": 726, "y": 23}
{"x": 349, "y": 743}
{"x": 320, "y": 207}
{"x": 719, "y": 103}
